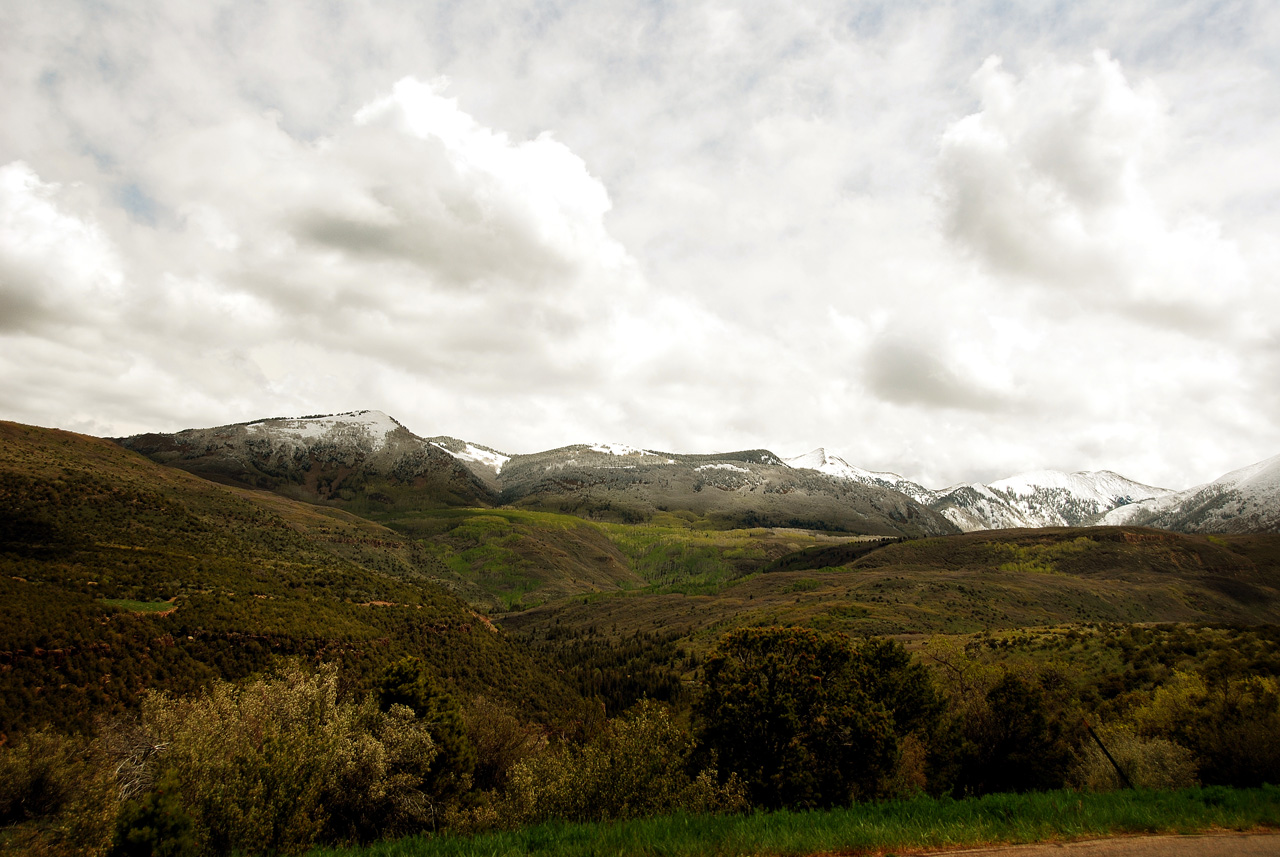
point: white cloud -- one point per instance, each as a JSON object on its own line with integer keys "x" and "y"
{"x": 1047, "y": 185}
{"x": 688, "y": 227}
{"x": 55, "y": 267}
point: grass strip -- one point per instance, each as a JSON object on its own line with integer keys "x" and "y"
{"x": 908, "y": 825}
{"x": 139, "y": 606}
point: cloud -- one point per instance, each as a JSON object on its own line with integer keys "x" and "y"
{"x": 54, "y": 265}
{"x": 671, "y": 225}
{"x": 908, "y": 373}
{"x": 1047, "y": 186}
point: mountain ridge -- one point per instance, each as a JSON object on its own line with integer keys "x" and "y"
{"x": 370, "y": 458}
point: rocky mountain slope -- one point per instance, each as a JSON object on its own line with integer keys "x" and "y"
{"x": 749, "y": 488}
{"x": 364, "y": 459}
{"x": 833, "y": 466}
{"x": 1043, "y": 498}
{"x": 368, "y": 461}
{"x": 1243, "y": 501}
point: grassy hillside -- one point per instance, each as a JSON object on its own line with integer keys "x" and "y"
{"x": 514, "y": 559}
{"x": 507, "y": 559}
{"x": 118, "y": 575}
{"x": 963, "y": 584}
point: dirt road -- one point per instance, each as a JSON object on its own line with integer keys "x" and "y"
{"x": 1210, "y": 845}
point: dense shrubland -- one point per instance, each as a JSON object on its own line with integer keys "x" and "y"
{"x": 782, "y": 718}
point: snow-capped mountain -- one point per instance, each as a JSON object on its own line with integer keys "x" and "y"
{"x": 1243, "y": 501}
{"x": 369, "y": 460}
{"x": 483, "y": 460}
{"x": 823, "y": 462}
{"x": 367, "y": 430}
{"x": 359, "y": 456}
{"x": 1042, "y": 498}
{"x": 747, "y": 488}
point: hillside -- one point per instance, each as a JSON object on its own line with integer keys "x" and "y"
{"x": 119, "y": 575}
{"x": 361, "y": 460}
{"x": 749, "y": 488}
{"x": 962, "y": 584}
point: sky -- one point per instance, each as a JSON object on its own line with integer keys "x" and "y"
{"x": 955, "y": 240}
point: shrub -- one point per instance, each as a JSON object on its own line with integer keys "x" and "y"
{"x": 280, "y": 763}
{"x": 641, "y": 765}
{"x": 501, "y": 741}
{"x": 156, "y": 826}
{"x": 38, "y": 775}
{"x": 1149, "y": 763}
{"x": 55, "y": 795}
{"x": 410, "y": 683}
{"x": 1231, "y": 724}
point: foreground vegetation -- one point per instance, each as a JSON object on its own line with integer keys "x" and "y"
{"x": 785, "y": 719}
{"x": 915, "y": 823}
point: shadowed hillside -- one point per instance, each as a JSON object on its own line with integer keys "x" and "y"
{"x": 119, "y": 575}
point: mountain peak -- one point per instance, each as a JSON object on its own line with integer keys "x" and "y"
{"x": 371, "y": 425}
{"x": 813, "y": 460}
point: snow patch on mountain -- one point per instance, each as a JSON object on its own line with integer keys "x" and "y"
{"x": 626, "y": 450}
{"x": 365, "y": 428}
{"x": 837, "y": 467}
{"x": 481, "y": 455}
{"x": 722, "y": 466}
{"x": 1041, "y": 498}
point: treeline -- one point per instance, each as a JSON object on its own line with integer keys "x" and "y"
{"x": 782, "y": 717}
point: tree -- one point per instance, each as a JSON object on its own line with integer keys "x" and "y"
{"x": 786, "y": 710}
{"x": 409, "y": 682}
{"x": 1016, "y": 742}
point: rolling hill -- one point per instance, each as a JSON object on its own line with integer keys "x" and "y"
{"x": 118, "y": 575}
{"x": 961, "y": 584}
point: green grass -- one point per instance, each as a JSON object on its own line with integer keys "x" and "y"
{"x": 140, "y": 606}
{"x": 871, "y": 828}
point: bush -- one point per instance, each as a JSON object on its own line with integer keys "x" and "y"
{"x": 641, "y": 765}
{"x": 785, "y": 709}
{"x": 501, "y": 741}
{"x": 279, "y": 764}
{"x": 410, "y": 683}
{"x": 1149, "y": 763}
{"x": 55, "y": 795}
{"x": 156, "y": 826}
{"x": 1231, "y": 724}
{"x": 38, "y": 775}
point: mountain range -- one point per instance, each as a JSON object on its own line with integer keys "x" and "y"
{"x": 368, "y": 461}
